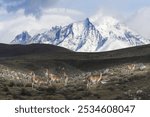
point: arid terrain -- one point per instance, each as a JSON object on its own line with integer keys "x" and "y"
{"x": 118, "y": 80}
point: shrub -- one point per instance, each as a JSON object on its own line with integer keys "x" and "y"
{"x": 25, "y": 92}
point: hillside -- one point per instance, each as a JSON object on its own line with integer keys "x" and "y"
{"x": 18, "y": 50}
{"x": 38, "y": 49}
{"x": 117, "y": 83}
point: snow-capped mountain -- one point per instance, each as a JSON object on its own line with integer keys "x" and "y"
{"x": 79, "y": 36}
{"x": 85, "y": 36}
{"x": 22, "y": 38}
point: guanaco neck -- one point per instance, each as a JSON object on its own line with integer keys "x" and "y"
{"x": 101, "y": 75}
{"x": 47, "y": 73}
{"x": 65, "y": 74}
{"x": 33, "y": 76}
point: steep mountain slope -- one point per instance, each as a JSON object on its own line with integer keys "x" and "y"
{"x": 79, "y": 36}
{"x": 103, "y": 34}
{"x": 82, "y": 36}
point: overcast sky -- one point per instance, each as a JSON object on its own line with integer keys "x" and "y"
{"x": 37, "y": 15}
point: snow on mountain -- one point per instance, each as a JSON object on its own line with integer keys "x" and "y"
{"x": 103, "y": 34}
{"x": 81, "y": 36}
{"x": 48, "y": 37}
{"x": 22, "y": 38}
{"x": 118, "y": 35}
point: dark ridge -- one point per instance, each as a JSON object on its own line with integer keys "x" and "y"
{"x": 18, "y": 50}
{"x": 62, "y": 53}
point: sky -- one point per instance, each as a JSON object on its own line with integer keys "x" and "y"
{"x": 38, "y": 15}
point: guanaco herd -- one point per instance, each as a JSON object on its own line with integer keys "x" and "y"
{"x": 50, "y": 78}
{"x": 90, "y": 79}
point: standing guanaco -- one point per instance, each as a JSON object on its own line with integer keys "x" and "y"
{"x": 65, "y": 76}
{"x": 131, "y": 67}
{"x": 52, "y": 77}
{"x": 93, "y": 79}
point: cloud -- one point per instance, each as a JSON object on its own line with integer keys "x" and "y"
{"x": 33, "y": 7}
{"x": 102, "y": 13}
{"x": 12, "y": 24}
{"x": 140, "y": 22}
{"x": 62, "y": 11}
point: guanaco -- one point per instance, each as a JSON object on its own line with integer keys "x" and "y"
{"x": 65, "y": 76}
{"x": 36, "y": 80}
{"x": 131, "y": 67}
{"x": 93, "y": 79}
{"x": 52, "y": 77}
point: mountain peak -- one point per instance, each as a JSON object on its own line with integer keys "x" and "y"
{"x": 25, "y": 32}
{"x": 81, "y": 26}
{"x": 22, "y": 38}
{"x": 87, "y": 20}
